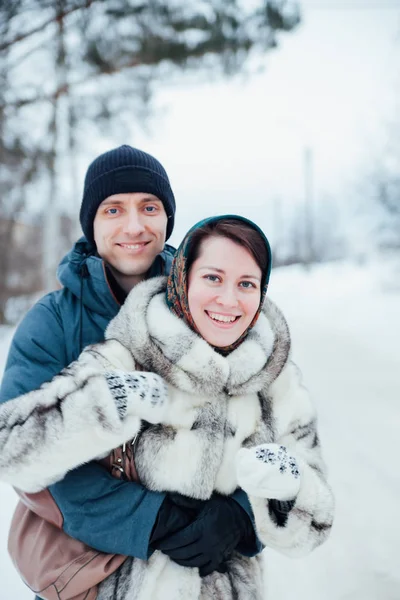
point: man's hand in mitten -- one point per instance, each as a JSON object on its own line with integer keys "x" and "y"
{"x": 212, "y": 537}
{"x": 140, "y": 394}
{"x": 175, "y": 513}
{"x": 268, "y": 471}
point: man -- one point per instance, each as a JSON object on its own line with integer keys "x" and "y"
{"x": 127, "y": 214}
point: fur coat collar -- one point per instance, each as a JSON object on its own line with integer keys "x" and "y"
{"x": 163, "y": 343}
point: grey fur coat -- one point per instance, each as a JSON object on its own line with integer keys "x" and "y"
{"x": 210, "y": 432}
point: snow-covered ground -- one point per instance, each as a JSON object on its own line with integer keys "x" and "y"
{"x": 346, "y": 339}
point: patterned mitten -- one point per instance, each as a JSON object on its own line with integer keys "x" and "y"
{"x": 139, "y": 394}
{"x": 268, "y": 471}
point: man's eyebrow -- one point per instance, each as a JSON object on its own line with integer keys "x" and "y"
{"x": 151, "y": 199}
{"x": 111, "y": 200}
{"x": 223, "y": 272}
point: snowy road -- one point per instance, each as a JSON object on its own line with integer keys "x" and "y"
{"x": 345, "y": 338}
{"x": 347, "y": 348}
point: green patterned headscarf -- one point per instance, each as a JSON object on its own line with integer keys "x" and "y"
{"x": 177, "y": 290}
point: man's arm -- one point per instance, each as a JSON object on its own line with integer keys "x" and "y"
{"x": 107, "y": 514}
{"x": 37, "y": 352}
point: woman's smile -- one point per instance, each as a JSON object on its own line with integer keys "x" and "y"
{"x": 221, "y": 320}
{"x": 224, "y": 291}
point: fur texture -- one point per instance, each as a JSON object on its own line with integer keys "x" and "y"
{"x": 216, "y": 405}
{"x": 252, "y": 396}
{"x": 83, "y": 413}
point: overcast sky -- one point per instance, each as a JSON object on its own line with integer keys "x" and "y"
{"x": 234, "y": 146}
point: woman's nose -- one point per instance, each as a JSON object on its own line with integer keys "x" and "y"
{"x": 227, "y": 297}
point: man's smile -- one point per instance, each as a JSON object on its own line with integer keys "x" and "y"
{"x": 132, "y": 247}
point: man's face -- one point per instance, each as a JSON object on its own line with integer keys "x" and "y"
{"x": 129, "y": 231}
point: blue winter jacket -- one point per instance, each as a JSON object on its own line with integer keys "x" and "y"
{"x": 108, "y": 514}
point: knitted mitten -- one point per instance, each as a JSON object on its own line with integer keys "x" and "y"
{"x": 138, "y": 393}
{"x": 268, "y": 471}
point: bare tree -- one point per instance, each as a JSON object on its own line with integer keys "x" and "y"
{"x": 19, "y": 165}
{"x": 101, "y": 61}
{"x": 382, "y": 194}
{"x": 20, "y": 249}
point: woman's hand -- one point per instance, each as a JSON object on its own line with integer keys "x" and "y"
{"x": 139, "y": 394}
{"x": 268, "y": 471}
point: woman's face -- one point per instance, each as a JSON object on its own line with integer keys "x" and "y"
{"x": 224, "y": 290}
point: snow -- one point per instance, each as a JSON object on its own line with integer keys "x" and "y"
{"x": 345, "y": 336}
{"x": 345, "y": 332}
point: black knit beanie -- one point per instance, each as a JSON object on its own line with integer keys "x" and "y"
{"x": 119, "y": 171}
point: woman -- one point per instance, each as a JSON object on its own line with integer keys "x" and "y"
{"x": 237, "y": 412}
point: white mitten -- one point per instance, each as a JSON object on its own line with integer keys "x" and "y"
{"x": 139, "y": 394}
{"x": 268, "y": 471}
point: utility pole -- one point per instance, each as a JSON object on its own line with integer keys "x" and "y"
{"x": 308, "y": 165}
{"x": 51, "y": 223}
{"x": 278, "y": 233}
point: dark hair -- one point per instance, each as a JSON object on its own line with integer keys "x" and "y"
{"x": 239, "y": 232}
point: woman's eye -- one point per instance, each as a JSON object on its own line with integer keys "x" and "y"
{"x": 247, "y": 284}
{"x": 212, "y": 278}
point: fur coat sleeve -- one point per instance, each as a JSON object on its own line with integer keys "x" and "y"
{"x": 90, "y": 408}
{"x": 310, "y": 515}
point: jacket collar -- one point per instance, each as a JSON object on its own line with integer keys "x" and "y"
{"x": 84, "y": 275}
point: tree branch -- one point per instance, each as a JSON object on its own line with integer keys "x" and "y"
{"x": 149, "y": 56}
{"x": 54, "y": 19}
